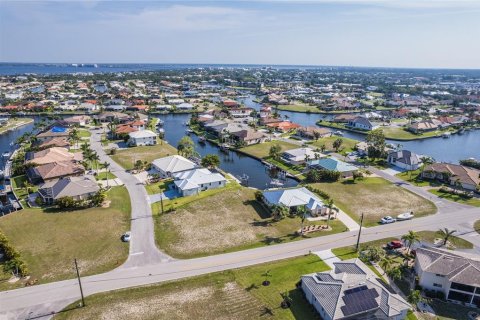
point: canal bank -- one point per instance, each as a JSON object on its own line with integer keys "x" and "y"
{"x": 14, "y": 124}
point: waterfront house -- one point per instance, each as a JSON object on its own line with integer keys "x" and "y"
{"x": 185, "y": 106}
{"x": 310, "y": 132}
{"x": 168, "y": 166}
{"x": 404, "y": 159}
{"x": 455, "y": 274}
{"x": 299, "y": 156}
{"x": 352, "y": 291}
{"x": 54, "y": 170}
{"x": 142, "y": 138}
{"x": 163, "y": 107}
{"x": 230, "y": 103}
{"x": 294, "y": 198}
{"x": 81, "y": 120}
{"x": 51, "y": 155}
{"x": 192, "y": 182}
{"x": 79, "y": 188}
{"x": 52, "y": 142}
{"x": 468, "y": 178}
{"x": 240, "y": 112}
{"x": 424, "y": 126}
{"x": 283, "y": 126}
{"x": 333, "y": 164}
{"x": 249, "y": 136}
{"x": 54, "y": 132}
{"x": 361, "y": 123}
{"x": 344, "y": 118}
{"x": 113, "y": 117}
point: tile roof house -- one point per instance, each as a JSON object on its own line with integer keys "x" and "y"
{"x": 250, "y": 136}
{"x": 168, "y": 166}
{"x": 55, "y": 132}
{"x": 79, "y": 188}
{"x": 424, "y": 125}
{"x": 361, "y": 123}
{"x": 309, "y": 132}
{"x": 283, "y": 126}
{"x": 456, "y": 274}
{"x": 194, "y": 181}
{"x": 351, "y": 291}
{"x": 404, "y": 159}
{"x": 80, "y": 120}
{"x": 333, "y": 164}
{"x": 50, "y": 155}
{"x": 468, "y": 177}
{"x": 54, "y": 170}
{"x": 295, "y": 197}
{"x": 53, "y": 142}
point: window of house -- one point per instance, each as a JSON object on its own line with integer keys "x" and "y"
{"x": 437, "y": 285}
{"x": 439, "y": 275}
{"x": 462, "y": 287}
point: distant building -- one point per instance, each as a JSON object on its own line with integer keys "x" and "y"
{"x": 361, "y": 123}
{"x": 333, "y": 164}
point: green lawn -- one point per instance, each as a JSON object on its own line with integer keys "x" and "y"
{"x": 49, "y": 240}
{"x": 456, "y": 198}
{"x": 262, "y": 150}
{"x": 346, "y": 253}
{"x": 347, "y": 145}
{"x": 105, "y": 176}
{"x": 414, "y": 178}
{"x": 375, "y": 198}
{"x": 459, "y": 243}
{"x": 233, "y": 294}
{"x": 158, "y": 187}
{"x": 224, "y": 221}
{"x": 14, "y": 123}
{"x": 84, "y": 133}
{"x": 127, "y": 157}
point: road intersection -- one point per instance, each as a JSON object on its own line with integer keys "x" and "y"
{"x": 147, "y": 265}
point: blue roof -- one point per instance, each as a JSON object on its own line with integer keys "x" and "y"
{"x": 332, "y": 164}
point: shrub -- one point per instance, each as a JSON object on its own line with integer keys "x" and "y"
{"x": 14, "y": 261}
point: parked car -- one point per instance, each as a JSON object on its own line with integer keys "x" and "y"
{"x": 126, "y": 236}
{"x": 387, "y": 220}
{"x": 395, "y": 244}
{"x": 405, "y": 216}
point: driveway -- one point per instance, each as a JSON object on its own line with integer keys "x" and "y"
{"x": 166, "y": 195}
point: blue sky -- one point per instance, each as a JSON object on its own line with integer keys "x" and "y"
{"x": 393, "y": 33}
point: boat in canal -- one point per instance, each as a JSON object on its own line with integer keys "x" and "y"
{"x": 446, "y": 135}
{"x": 202, "y": 139}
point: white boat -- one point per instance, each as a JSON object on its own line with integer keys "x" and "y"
{"x": 405, "y": 216}
{"x": 276, "y": 182}
{"x": 338, "y": 133}
{"x": 446, "y": 135}
{"x": 188, "y": 131}
{"x": 161, "y": 130}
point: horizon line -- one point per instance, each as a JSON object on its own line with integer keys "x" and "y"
{"x": 245, "y": 64}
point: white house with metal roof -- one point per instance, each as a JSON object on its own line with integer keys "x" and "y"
{"x": 300, "y": 155}
{"x": 351, "y": 291}
{"x": 142, "y": 138}
{"x": 295, "y": 197}
{"x": 192, "y": 182}
{"x": 168, "y": 166}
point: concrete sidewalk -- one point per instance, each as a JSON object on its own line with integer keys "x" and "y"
{"x": 328, "y": 257}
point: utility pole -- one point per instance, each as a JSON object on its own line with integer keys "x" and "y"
{"x": 79, "y": 283}
{"x": 359, "y": 232}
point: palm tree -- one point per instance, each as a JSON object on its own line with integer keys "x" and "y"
{"x": 106, "y": 166}
{"x": 95, "y": 158}
{"x": 410, "y": 238}
{"x": 414, "y": 298}
{"x": 330, "y": 208}
{"x": 386, "y": 264}
{"x": 446, "y": 233}
{"x": 27, "y": 185}
{"x": 395, "y": 273}
{"x": 302, "y": 212}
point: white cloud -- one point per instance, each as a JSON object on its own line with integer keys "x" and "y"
{"x": 182, "y": 18}
{"x": 426, "y": 4}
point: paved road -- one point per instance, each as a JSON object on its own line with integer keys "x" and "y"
{"x": 146, "y": 264}
{"x": 143, "y": 250}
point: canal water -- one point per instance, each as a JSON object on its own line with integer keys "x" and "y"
{"x": 8, "y": 139}
{"x": 230, "y": 161}
{"x": 453, "y": 149}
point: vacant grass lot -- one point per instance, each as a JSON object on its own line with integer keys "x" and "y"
{"x": 50, "y": 240}
{"x": 127, "y": 157}
{"x": 375, "y": 198}
{"x": 456, "y": 198}
{"x": 262, "y": 150}
{"x": 234, "y": 294}
{"x": 225, "y": 221}
{"x": 347, "y": 144}
{"x": 414, "y": 178}
{"x": 84, "y": 133}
